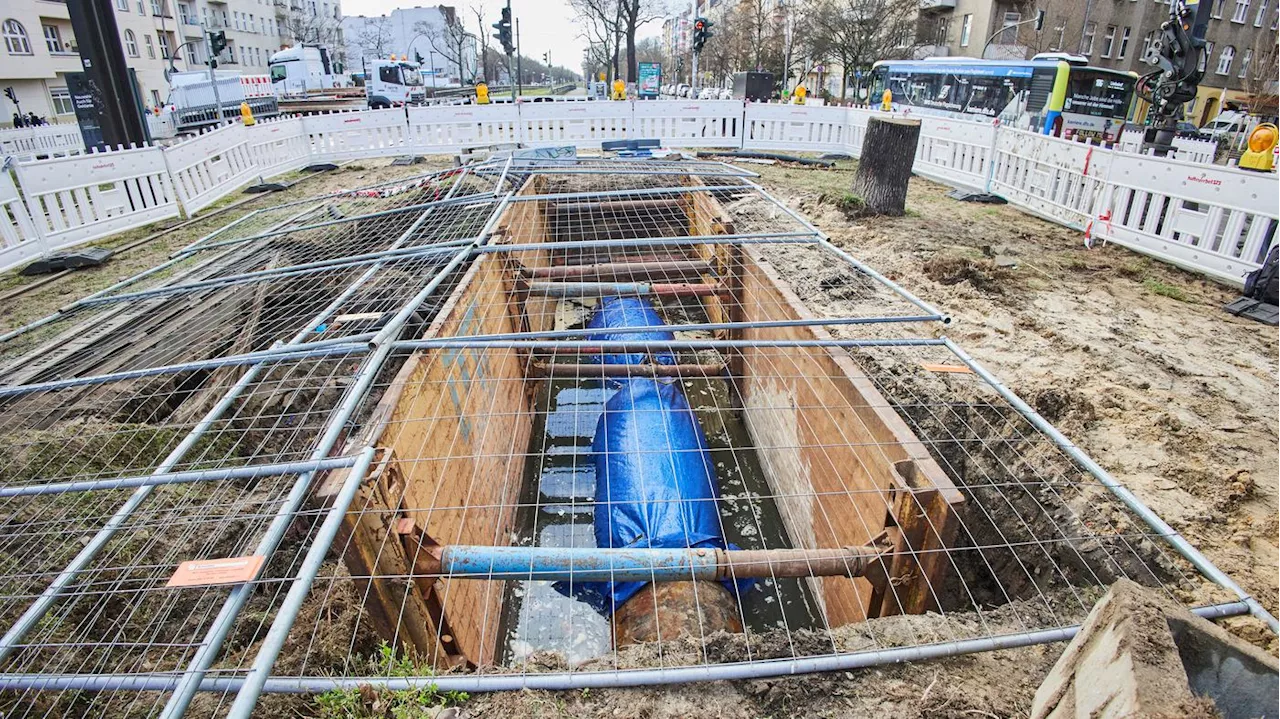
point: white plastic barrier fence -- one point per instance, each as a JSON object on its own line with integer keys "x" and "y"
{"x": 278, "y": 145}
{"x": 795, "y": 127}
{"x": 447, "y": 128}
{"x": 1057, "y": 179}
{"x": 1204, "y": 217}
{"x": 28, "y": 143}
{"x": 690, "y": 123}
{"x": 1211, "y": 219}
{"x": 210, "y": 166}
{"x": 1187, "y": 149}
{"x": 362, "y": 133}
{"x": 582, "y": 124}
{"x": 19, "y": 240}
{"x": 77, "y": 199}
{"x": 956, "y": 151}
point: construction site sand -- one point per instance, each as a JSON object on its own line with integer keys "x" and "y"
{"x": 1176, "y": 398}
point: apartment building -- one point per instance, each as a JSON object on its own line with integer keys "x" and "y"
{"x": 1111, "y": 33}
{"x": 157, "y": 35}
{"x": 414, "y": 31}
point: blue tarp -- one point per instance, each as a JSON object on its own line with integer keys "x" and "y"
{"x": 655, "y": 482}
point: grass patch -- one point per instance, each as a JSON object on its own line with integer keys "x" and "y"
{"x": 1164, "y": 289}
{"x": 369, "y": 703}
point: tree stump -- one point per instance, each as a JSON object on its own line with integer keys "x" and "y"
{"x": 888, "y": 151}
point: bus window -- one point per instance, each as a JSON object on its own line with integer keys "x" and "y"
{"x": 1098, "y": 94}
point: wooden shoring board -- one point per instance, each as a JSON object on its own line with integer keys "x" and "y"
{"x": 458, "y": 420}
{"x": 837, "y": 453}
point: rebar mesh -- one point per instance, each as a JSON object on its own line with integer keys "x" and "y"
{"x": 477, "y": 375}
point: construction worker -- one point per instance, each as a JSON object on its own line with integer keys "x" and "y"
{"x": 482, "y": 94}
{"x": 619, "y": 89}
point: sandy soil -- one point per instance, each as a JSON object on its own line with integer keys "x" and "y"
{"x": 1149, "y": 376}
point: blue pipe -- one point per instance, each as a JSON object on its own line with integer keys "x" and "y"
{"x": 627, "y": 564}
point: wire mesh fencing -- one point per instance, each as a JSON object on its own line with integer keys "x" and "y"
{"x": 585, "y": 423}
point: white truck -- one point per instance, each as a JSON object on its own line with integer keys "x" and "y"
{"x": 191, "y": 104}
{"x": 393, "y": 83}
{"x": 298, "y": 71}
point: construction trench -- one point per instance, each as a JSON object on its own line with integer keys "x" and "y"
{"x": 548, "y": 424}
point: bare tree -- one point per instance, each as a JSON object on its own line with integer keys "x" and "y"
{"x": 487, "y": 67}
{"x": 451, "y": 41}
{"x": 649, "y": 50}
{"x": 600, "y": 27}
{"x": 374, "y": 37}
{"x": 857, "y": 33}
{"x": 1260, "y": 75}
{"x": 631, "y": 15}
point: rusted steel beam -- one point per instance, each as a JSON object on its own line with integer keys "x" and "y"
{"x": 621, "y": 271}
{"x": 587, "y": 371}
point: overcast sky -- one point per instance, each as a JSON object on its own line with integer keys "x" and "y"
{"x": 544, "y": 24}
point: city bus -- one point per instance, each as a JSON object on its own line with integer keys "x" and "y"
{"x": 1051, "y": 94}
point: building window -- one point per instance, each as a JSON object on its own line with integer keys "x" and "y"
{"x": 155, "y": 97}
{"x": 1009, "y": 33}
{"x": 141, "y": 10}
{"x": 130, "y": 43}
{"x": 1146, "y": 42}
{"x": 61, "y": 98}
{"x": 122, "y": 5}
{"x": 1124, "y": 44}
{"x": 164, "y": 46}
{"x": 15, "y": 38}
{"x": 1086, "y": 39}
{"x": 1242, "y": 10}
{"x": 53, "y": 39}
{"x": 966, "y": 27}
{"x": 1225, "y": 59}
{"x": 1262, "y": 13}
{"x": 157, "y": 9}
{"x": 184, "y": 12}
{"x": 1217, "y": 8}
{"x": 151, "y": 48}
{"x": 1108, "y": 41}
{"x": 1244, "y": 63}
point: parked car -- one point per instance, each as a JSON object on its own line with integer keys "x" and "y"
{"x": 726, "y": 94}
{"x": 682, "y": 90}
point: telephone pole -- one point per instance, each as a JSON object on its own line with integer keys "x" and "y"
{"x": 519, "y": 72}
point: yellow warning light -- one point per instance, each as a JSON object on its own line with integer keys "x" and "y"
{"x": 1262, "y": 143}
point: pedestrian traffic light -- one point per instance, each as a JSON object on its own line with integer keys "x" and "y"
{"x": 503, "y": 27}
{"x": 701, "y": 31}
{"x": 217, "y": 43}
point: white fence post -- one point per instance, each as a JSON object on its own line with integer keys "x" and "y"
{"x": 20, "y": 240}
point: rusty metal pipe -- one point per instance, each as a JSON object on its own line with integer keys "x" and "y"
{"x": 625, "y": 271}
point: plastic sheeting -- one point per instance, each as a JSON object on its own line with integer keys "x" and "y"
{"x": 655, "y": 481}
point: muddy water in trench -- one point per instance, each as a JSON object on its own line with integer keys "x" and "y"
{"x": 557, "y": 500}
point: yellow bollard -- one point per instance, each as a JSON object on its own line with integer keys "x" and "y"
{"x": 886, "y": 100}
{"x": 1262, "y": 142}
{"x": 619, "y": 89}
{"x": 246, "y": 114}
{"x": 482, "y": 94}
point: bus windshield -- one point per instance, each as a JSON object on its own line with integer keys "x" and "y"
{"x": 1098, "y": 94}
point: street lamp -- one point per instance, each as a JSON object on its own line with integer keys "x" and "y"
{"x": 431, "y": 52}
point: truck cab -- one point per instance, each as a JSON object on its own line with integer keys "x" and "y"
{"x": 393, "y": 83}
{"x": 300, "y": 70}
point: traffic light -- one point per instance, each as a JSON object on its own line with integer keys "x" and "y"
{"x": 417, "y": 57}
{"x": 701, "y": 31}
{"x": 546, "y": 59}
{"x": 217, "y": 43}
{"x": 503, "y": 27}
{"x": 1039, "y": 20}
{"x": 13, "y": 96}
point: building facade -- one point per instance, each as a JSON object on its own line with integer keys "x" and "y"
{"x": 438, "y": 34}
{"x": 1113, "y": 34}
{"x": 39, "y": 47}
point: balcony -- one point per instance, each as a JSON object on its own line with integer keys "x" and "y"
{"x": 927, "y": 6}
